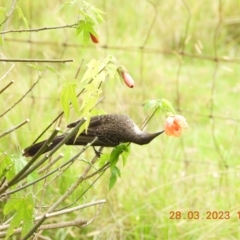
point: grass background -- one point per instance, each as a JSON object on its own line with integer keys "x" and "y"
{"x": 185, "y": 51}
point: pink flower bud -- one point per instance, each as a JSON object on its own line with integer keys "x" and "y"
{"x": 128, "y": 79}
{"x": 174, "y": 125}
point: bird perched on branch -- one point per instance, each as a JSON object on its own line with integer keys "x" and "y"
{"x": 111, "y": 130}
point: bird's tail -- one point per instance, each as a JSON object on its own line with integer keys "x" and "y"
{"x": 32, "y": 150}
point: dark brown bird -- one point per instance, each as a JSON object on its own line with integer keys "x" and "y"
{"x": 111, "y": 130}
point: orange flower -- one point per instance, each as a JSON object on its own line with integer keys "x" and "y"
{"x": 128, "y": 79}
{"x": 174, "y": 125}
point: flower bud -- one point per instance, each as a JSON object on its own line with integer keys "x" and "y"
{"x": 128, "y": 79}
{"x": 94, "y": 38}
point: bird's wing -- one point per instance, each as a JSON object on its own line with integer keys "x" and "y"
{"x": 85, "y": 138}
{"x": 94, "y": 121}
{"x": 90, "y": 134}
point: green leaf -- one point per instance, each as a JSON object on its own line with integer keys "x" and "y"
{"x": 6, "y": 166}
{"x": 150, "y": 104}
{"x": 86, "y": 37}
{"x": 21, "y": 16}
{"x": 113, "y": 177}
{"x": 103, "y": 159}
{"x": 116, "y": 152}
{"x": 73, "y": 95}
{"x": 54, "y": 71}
{"x": 68, "y": 95}
{"x": 160, "y": 104}
{"x": 65, "y": 4}
{"x": 80, "y": 27}
{"x": 118, "y": 172}
{"x": 64, "y": 101}
{"x": 23, "y": 207}
{"x": 36, "y": 67}
{"x": 125, "y": 154}
{"x": 167, "y": 106}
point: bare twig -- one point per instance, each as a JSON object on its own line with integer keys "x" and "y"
{"x": 6, "y": 20}
{"x": 14, "y": 128}
{"x": 65, "y": 211}
{"x": 50, "y": 163}
{"x": 8, "y": 85}
{"x": 39, "y": 29}
{"x": 35, "y": 60}
{"x": 48, "y": 155}
{"x": 60, "y": 114}
{"x": 76, "y": 223}
{"x": 27, "y": 166}
{"x": 8, "y": 71}
{"x": 146, "y": 40}
{"x": 31, "y": 88}
{"x": 94, "y": 217}
{"x": 62, "y": 198}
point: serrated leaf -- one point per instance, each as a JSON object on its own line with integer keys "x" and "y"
{"x": 23, "y": 207}
{"x": 80, "y": 27}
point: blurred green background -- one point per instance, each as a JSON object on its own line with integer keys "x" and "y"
{"x": 185, "y": 51}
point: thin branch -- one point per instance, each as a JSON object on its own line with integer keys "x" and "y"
{"x": 6, "y": 20}
{"x": 31, "y": 88}
{"x": 60, "y": 114}
{"x": 35, "y": 60}
{"x": 152, "y": 23}
{"x": 69, "y": 210}
{"x": 8, "y": 85}
{"x": 39, "y": 29}
{"x": 94, "y": 217}
{"x": 68, "y": 163}
{"x": 28, "y": 165}
{"x": 8, "y": 71}
{"x": 70, "y": 190}
{"x": 65, "y": 211}
{"x": 48, "y": 155}
{"x": 76, "y": 223}
{"x": 14, "y": 128}
{"x": 50, "y": 163}
{"x": 100, "y": 170}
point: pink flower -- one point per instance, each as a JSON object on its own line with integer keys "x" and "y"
{"x": 174, "y": 125}
{"x": 128, "y": 79}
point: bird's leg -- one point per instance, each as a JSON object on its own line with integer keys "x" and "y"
{"x": 98, "y": 153}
